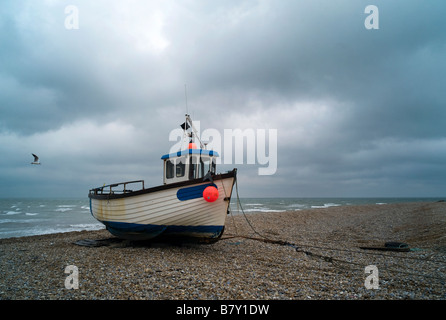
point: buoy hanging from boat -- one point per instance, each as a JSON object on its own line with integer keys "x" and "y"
{"x": 210, "y": 194}
{"x": 192, "y": 145}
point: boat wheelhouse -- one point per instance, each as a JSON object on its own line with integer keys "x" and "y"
{"x": 189, "y": 164}
{"x": 192, "y": 202}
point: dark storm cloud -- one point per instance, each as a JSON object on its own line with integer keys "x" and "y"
{"x": 385, "y": 83}
{"x": 60, "y": 75}
{"x": 354, "y": 108}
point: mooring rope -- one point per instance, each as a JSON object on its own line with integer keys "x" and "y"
{"x": 330, "y": 259}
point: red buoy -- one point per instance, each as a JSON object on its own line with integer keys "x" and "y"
{"x": 192, "y": 146}
{"x": 210, "y": 194}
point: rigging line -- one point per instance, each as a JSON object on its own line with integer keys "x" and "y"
{"x": 371, "y": 253}
{"x": 324, "y": 257}
{"x": 229, "y": 205}
{"x": 320, "y": 247}
{"x": 243, "y": 212}
{"x": 264, "y": 239}
{"x": 334, "y": 261}
{"x": 367, "y": 253}
{"x": 384, "y": 268}
{"x": 233, "y": 221}
{"x": 185, "y": 94}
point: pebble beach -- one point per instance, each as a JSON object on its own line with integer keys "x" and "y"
{"x": 315, "y": 254}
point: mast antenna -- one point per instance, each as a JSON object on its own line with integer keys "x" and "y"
{"x": 185, "y": 94}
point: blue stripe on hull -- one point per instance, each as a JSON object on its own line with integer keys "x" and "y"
{"x": 194, "y": 192}
{"x": 134, "y": 231}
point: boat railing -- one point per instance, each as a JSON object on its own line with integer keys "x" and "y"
{"x": 112, "y": 188}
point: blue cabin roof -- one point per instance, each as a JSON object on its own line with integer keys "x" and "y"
{"x": 190, "y": 151}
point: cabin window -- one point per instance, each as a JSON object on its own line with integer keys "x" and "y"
{"x": 169, "y": 169}
{"x": 175, "y": 168}
{"x": 213, "y": 166}
{"x": 199, "y": 167}
{"x": 181, "y": 167}
{"x": 192, "y": 167}
{"x": 204, "y": 166}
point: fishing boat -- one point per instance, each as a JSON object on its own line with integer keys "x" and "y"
{"x": 192, "y": 203}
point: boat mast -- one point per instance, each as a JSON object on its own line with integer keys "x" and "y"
{"x": 185, "y": 126}
{"x": 194, "y": 131}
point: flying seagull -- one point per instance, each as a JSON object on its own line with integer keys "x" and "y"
{"x": 36, "y": 159}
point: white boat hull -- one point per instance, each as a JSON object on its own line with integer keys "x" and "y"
{"x": 177, "y": 210}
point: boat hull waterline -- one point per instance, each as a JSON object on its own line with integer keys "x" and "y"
{"x": 169, "y": 211}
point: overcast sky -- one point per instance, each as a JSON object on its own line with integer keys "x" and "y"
{"x": 95, "y": 89}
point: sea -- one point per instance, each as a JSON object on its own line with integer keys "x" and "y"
{"x": 27, "y": 217}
